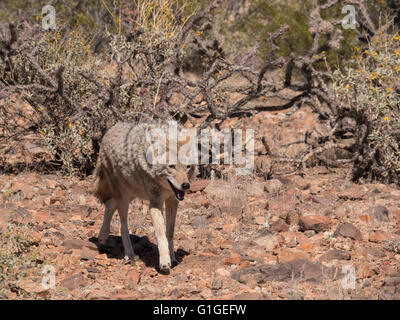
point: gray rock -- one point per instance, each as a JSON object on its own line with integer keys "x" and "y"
{"x": 87, "y": 254}
{"x": 347, "y": 230}
{"x": 300, "y": 269}
{"x": 392, "y": 281}
{"x": 272, "y": 186}
{"x": 250, "y": 296}
{"x": 73, "y": 282}
{"x": 380, "y": 213}
{"x": 374, "y": 252}
{"x": 309, "y": 233}
{"x": 200, "y": 222}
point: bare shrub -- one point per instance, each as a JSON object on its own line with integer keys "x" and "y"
{"x": 77, "y": 91}
{"x": 369, "y": 93}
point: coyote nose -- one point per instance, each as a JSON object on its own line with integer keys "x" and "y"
{"x": 185, "y": 186}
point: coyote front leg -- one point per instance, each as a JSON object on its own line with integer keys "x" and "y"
{"x": 171, "y": 207}
{"x": 159, "y": 228}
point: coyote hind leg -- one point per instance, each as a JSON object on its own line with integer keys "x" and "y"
{"x": 123, "y": 208}
{"x": 111, "y": 206}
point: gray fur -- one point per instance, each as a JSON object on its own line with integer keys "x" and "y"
{"x": 123, "y": 173}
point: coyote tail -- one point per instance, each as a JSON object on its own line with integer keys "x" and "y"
{"x": 101, "y": 184}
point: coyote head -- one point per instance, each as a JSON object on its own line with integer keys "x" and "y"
{"x": 170, "y": 157}
{"x": 178, "y": 177}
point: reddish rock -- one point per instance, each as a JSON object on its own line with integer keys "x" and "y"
{"x": 124, "y": 296}
{"x": 289, "y": 239}
{"x": 40, "y": 216}
{"x": 269, "y": 242}
{"x": 79, "y": 244}
{"x": 335, "y": 255}
{"x": 21, "y": 216}
{"x": 133, "y": 276}
{"x": 321, "y": 200}
{"x": 88, "y": 254}
{"x": 57, "y": 196}
{"x": 234, "y": 259}
{"x": 187, "y": 246}
{"x": 244, "y": 264}
{"x": 5, "y": 212}
{"x": 302, "y": 239}
{"x": 397, "y": 217}
{"x": 290, "y": 254}
{"x": 30, "y": 286}
{"x": 355, "y": 192}
{"x": 301, "y": 270}
{"x": 259, "y": 220}
{"x": 272, "y": 186}
{"x": 314, "y": 222}
{"x": 279, "y": 226}
{"x": 315, "y": 189}
{"x": 29, "y": 194}
{"x": 373, "y": 252}
{"x": 36, "y": 237}
{"x": 52, "y": 183}
{"x": 73, "y": 282}
{"x": 366, "y": 218}
{"x": 282, "y": 204}
{"x": 3, "y": 224}
{"x": 365, "y": 271}
{"x": 378, "y": 236}
{"x": 347, "y": 230}
{"x": 307, "y": 246}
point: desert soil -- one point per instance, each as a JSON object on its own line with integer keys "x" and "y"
{"x": 310, "y": 234}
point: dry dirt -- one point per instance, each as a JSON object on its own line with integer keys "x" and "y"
{"x": 306, "y": 235}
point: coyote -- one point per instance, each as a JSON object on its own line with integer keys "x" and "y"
{"x": 123, "y": 173}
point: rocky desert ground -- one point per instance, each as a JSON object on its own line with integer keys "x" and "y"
{"x": 303, "y": 234}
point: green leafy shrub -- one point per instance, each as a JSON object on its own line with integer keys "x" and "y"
{"x": 263, "y": 17}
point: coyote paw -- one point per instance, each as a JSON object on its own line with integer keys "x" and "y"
{"x": 174, "y": 262}
{"x": 165, "y": 263}
{"x": 131, "y": 258}
{"x": 102, "y": 239}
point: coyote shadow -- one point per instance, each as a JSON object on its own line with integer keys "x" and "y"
{"x": 143, "y": 247}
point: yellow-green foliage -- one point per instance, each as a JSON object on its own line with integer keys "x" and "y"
{"x": 268, "y": 16}
{"x": 372, "y": 87}
{"x": 76, "y": 13}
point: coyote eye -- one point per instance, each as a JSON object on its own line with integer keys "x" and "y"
{"x": 188, "y": 167}
{"x": 172, "y": 166}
